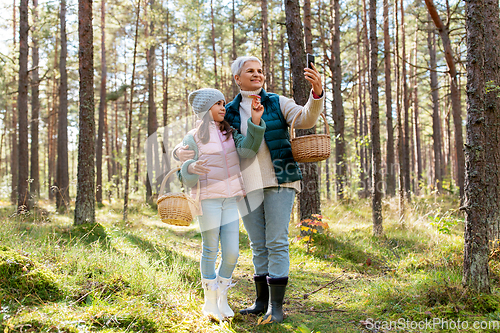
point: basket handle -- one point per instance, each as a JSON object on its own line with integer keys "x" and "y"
{"x": 170, "y": 173}
{"x": 292, "y": 134}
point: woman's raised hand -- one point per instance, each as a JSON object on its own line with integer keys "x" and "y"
{"x": 198, "y": 167}
{"x": 313, "y": 76}
{"x": 257, "y": 109}
{"x": 184, "y": 153}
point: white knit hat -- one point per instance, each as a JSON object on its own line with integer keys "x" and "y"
{"x": 203, "y": 99}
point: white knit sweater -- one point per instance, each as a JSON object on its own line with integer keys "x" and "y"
{"x": 258, "y": 172}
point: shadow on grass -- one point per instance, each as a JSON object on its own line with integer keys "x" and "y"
{"x": 167, "y": 257}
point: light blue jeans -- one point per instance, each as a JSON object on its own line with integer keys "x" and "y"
{"x": 220, "y": 219}
{"x": 267, "y": 226}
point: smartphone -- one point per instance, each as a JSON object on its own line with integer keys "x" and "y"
{"x": 310, "y": 59}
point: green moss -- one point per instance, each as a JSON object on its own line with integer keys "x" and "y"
{"x": 24, "y": 278}
{"x": 90, "y": 233}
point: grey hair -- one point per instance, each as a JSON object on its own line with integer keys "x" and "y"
{"x": 240, "y": 61}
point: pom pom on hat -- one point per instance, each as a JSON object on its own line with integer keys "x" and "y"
{"x": 203, "y": 99}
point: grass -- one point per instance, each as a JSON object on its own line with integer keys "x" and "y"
{"x": 143, "y": 276}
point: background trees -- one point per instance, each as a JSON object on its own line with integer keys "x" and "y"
{"x": 176, "y": 54}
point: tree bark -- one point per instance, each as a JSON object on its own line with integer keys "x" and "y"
{"x": 406, "y": 105}
{"x": 309, "y": 197}
{"x": 308, "y": 26}
{"x": 13, "y": 132}
{"x": 35, "y": 112}
{"x": 455, "y": 94}
{"x": 266, "y": 61}
{"x": 476, "y": 201}
{"x": 213, "y": 45}
{"x": 22, "y": 109}
{"x": 375, "y": 125}
{"x": 400, "y": 144}
{"x": 492, "y": 119}
{"x": 85, "y": 196}
{"x": 337, "y": 105}
{"x": 102, "y": 106}
{"x": 416, "y": 115}
{"x": 436, "y": 121}
{"x": 62, "y": 173}
{"x": 391, "y": 167}
{"x": 129, "y": 122}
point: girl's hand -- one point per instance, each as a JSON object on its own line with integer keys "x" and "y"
{"x": 313, "y": 76}
{"x": 257, "y": 109}
{"x": 198, "y": 168}
{"x": 184, "y": 153}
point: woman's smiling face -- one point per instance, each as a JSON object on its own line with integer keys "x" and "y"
{"x": 251, "y": 77}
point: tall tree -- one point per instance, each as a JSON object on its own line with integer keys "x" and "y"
{"x": 337, "y": 105}
{"x": 62, "y": 176}
{"x": 400, "y": 144}
{"x": 492, "y": 116}
{"x": 152, "y": 118}
{"x": 436, "y": 121}
{"x": 102, "y": 106}
{"x": 406, "y": 105}
{"x": 309, "y": 197}
{"x": 85, "y": 191}
{"x": 391, "y": 168}
{"x": 13, "y": 134}
{"x": 129, "y": 122}
{"x": 266, "y": 60}
{"x": 375, "y": 125}
{"x": 454, "y": 92}
{"x": 416, "y": 117}
{"x": 35, "y": 111}
{"x": 22, "y": 109}
{"x": 477, "y": 204}
{"x": 214, "y": 51}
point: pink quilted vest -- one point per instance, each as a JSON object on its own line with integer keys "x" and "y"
{"x": 224, "y": 179}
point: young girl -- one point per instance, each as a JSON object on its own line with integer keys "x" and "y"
{"x": 216, "y": 166}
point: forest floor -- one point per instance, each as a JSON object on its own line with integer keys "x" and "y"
{"x": 143, "y": 276}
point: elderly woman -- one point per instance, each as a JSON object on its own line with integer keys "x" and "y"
{"x": 271, "y": 178}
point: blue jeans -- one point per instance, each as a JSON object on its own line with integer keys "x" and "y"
{"x": 220, "y": 219}
{"x": 267, "y": 226}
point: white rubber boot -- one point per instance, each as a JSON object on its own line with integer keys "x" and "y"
{"x": 210, "y": 307}
{"x": 224, "y": 285}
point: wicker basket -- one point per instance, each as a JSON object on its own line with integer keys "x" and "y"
{"x": 310, "y": 148}
{"x": 176, "y": 208}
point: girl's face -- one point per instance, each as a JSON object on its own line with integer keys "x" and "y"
{"x": 251, "y": 77}
{"x": 218, "y": 111}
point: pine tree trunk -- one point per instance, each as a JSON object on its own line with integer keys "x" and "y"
{"x": 152, "y": 119}
{"x": 492, "y": 123}
{"x": 213, "y": 45}
{"x": 35, "y": 114}
{"x": 416, "y": 115}
{"x": 309, "y": 197}
{"x": 375, "y": 125}
{"x": 400, "y": 143}
{"x": 14, "y": 147}
{"x": 166, "y": 155}
{"x": 406, "y": 105}
{"x": 129, "y": 122}
{"x": 85, "y": 196}
{"x": 102, "y": 106}
{"x": 266, "y": 61}
{"x": 22, "y": 109}
{"x": 476, "y": 202}
{"x": 391, "y": 167}
{"x": 337, "y": 105}
{"x": 233, "y": 46}
{"x": 436, "y": 121}
{"x": 62, "y": 174}
{"x": 308, "y": 37}
{"x": 455, "y": 95}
